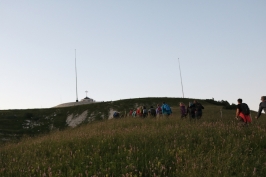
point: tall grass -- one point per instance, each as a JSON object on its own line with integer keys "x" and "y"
{"x": 170, "y": 146}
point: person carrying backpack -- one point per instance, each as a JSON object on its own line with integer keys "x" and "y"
{"x": 243, "y": 111}
{"x": 166, "y": 110}
{"x": 159, "y": 111}
{"x": 145, "y": 112}
{"x": 262, "y": 106}
{"x": 183, "y": 110}
{"x": 198, "y": 109}
{"x": 134, "y": 113}
{"x": 191, "y": 110}
{"x": 152, "y": 112}
{"x": 139, "y": 111}
{"x": 130, "y": 113}
{"x": 116, "y": 114}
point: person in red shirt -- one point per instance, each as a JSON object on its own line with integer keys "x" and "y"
{"x": 130, "y": 113}
{"x": 139, "y": 111}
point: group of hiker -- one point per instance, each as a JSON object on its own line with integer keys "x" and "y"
{"x": 243, "y": 111}
{"x": 142, "y": 111}
{"x": 193, "y": 110}
{"x": 161, "y": 110}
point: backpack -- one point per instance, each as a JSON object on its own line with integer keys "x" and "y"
{"x": 199, "y": 107}
{"x": 159, "y": 109}
{"x": 166, "y": 107}
{"x": 153, "y": 112}
{"x": 115, "y": 114}
{"x": 245, "y": 109}
{"x": 145, "y": 111}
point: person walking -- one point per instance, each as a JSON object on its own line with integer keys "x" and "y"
{"x": 243, "y": 112}
{"x": 116, "y": 114}
{"x": 130, "y": 113}
{"x": 152, "y": 112}
{"x": 159, "y": 111}
{"x": 262, "y": 106}
{"x": 198, "y": 111}
{"x": 139, "y": 111}
{"x": 191, "y": 110}
{"x": 145, "y": 112}
{"x": 134, "y": 113}
{"x": 166, "y": 110}
{"x": 183, "y": 110}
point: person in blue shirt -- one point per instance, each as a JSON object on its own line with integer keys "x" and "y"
{"x": 166, "y": 110}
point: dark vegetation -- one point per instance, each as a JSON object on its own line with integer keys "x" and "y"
{"x": 223, "y": 103}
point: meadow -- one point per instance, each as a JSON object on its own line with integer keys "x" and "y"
{"x": 211, "y": 146}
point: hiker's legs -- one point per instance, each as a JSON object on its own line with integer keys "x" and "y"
{"x": 189, "y": 116}
{"x": 165, "y": 115}
{"x": 183, "y": 116}
{"x": 198, "y": 114}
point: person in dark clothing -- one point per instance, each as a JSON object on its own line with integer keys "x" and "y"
{"x": 145, "y": 112}
{"x": 262, "y": 106}
{"x": 116, "y": 114}
{"x": 191, "y": 110}
{"x": 152, "y": 112}
{"x": 240, "y": 112}
{"x": 199, "y": 107}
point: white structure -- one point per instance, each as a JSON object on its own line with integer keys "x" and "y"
{"x": 86, "y": 100}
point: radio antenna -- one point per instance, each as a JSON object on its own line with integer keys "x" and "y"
{"x": 76, "y": 77}
{"x": 181, "y": 77}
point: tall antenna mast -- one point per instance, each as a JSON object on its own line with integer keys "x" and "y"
{"x": 76, "y": 78}
{"x": 181, "y": 77}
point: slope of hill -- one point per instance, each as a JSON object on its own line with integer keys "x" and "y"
{"x": 211, "y": 146}
{"x": 16, "y": 123}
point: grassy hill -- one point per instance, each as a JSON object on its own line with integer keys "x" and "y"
{"x": 211, "y": 146}
{"x": 31, "y": 122}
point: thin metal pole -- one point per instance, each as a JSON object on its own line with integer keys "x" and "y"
{"x": 181, "y": 77}
{"x": 76, "y": 78}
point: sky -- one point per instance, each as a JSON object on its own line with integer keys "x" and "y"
{"x": 130, "y": 49}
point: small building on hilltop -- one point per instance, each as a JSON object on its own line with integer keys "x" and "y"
{"x": 83, "y": 101}
{"x": 87, "y": 100}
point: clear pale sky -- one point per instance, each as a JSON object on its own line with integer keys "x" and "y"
{"x": 130, "y": 49}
